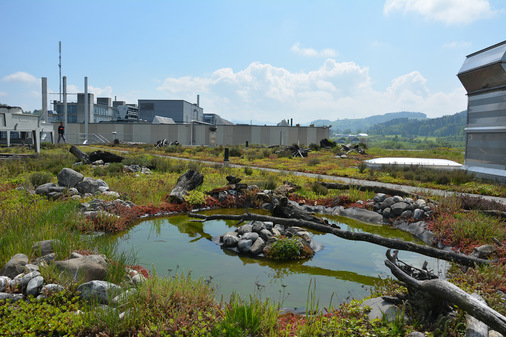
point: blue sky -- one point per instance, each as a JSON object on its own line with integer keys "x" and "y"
{"x": 251, "y": 60}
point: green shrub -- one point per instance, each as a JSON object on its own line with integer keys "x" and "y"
{"x": 314, "y": 147}
{"x": 40, "y": 178}
{"x": 114, "y": 168}
{"x": 284, "y": 249}
{"x": 248, "y": 171}
{"x": 235, "y": 151}
{"x": 361, "y": 167}
{"x": 319, "y": 189}
{"x": 99, "y": 171}
{"x": 313, "y": 161}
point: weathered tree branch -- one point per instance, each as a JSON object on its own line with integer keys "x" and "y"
{"x": 441, "y": 290}
{"x": 372, "y": 238}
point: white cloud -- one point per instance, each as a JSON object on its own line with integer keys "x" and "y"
{"x": 297, "y": 49}
{"x": 334, "y": 90}
{"x": 446, "y": 11}
{"x": 102, "y": 92}
{"x": 457, "y": 44}
{"x": 22, "y": 77}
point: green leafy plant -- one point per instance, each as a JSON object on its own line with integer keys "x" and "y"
{"x": 286, "y": 249}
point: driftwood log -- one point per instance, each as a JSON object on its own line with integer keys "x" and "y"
{"x": 282, "y": 208}
{"x": 79, "y": 154}
{"x": 372, "y": 238}
{"x": 188, "y": 181}
{"x": 437, "y": 292}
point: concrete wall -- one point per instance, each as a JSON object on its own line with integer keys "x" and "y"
{"x": 225, "y": 134}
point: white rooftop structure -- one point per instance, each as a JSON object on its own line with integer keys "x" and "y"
{"x": 163, "y": 120}
{"x": 441, "y": 164}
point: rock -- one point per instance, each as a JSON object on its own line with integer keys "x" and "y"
{"x": 380, "y": 197}
{"x": 85, "y": 268}
{"x": 31, "y": 267}
{"x": 5, "y": 282}
{"x": 244, "y": 245}
{"x": 99, "y": 162}
{"x": 69, "y": 178}
{"x": 483, "y": 251}
{"x": 244, "y": 229}
{"x": 387, "y": 203}
{"x": 474, "y": 327}
{"x": 100, "y": 291}
{"x": 43, "y": 248}
{"x": 398, "y": 208}
{"x": 87, "y": 185}
{"x": 112, "y": 194}
{"x": 268, "y": 225}
{"x": 138, "y": 279}
{"x": 188, "y": 181}
{"x": 222, "y": 195}
{"x": 257, "y": 226}
{"x": 361, "y": 214}
{"x": 45, "y": 259}
{"x": 123, "y": 297}
{"x": 50, "y": 190}
{"x": 406, "y": 214}
{"x": 493, "y": 333}
{"x": 34, "y": 285}
{"x": 397, "y": 198}
{"x": 387, "y": 212}
{"x": 416, "y": 334}
{"x": 380, "y": 308}
{"x": 250, "y": 236}
{"x": 73, "y": 191}
{"x": 51, "y": 288}
{"x": 22, "y": 280}
{"x": 265, "y": 234}
{"x": 230, "y": 239}
{"x": 11, "y": 297}
{"x": 15, "y": 266}
{"x": 257, "y": 247}
{"x": 419, "y": 214}
{"x": 420, "y": 203}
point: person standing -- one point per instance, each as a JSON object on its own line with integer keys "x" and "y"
{"x": 61, "y": 133}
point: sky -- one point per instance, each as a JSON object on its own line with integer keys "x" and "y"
{"x": 258, "y": 60}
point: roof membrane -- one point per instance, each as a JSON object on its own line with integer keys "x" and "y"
{"x": 423, "y": 162}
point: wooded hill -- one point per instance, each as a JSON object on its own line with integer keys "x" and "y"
{"x": 446, "y": 126}
{"x": 362, "y": 124}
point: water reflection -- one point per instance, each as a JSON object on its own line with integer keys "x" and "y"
{"x": 344, "y": 268}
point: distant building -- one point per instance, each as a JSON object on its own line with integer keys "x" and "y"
{"x": 215, "y": 119}
{"x": 483, "y": 75}
{"x": 179, "y": 110}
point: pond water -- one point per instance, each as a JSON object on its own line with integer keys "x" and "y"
{"x": 342, "y": 270}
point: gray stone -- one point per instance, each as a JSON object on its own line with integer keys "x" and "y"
{"x": 123, "y": 297}
{"x": 100, "y": 291}
{"x": 257, "y": 226}
{"x": 22, "y": 280}
{"x": 419, "y": 214}
{"x": 265, "y": 234}
{"x": 416, "y": 334}
{"x": 84, "y": 269}
{"x": 387, "y": 212}
{"x": 222, "y": 195}
{"x": 398, "y": 208}
{"x": 275, "y": 232}
{"x": 483, "y": 251}
{"x": 250, "y": 236}
{"x": 268, "y": 225}
{"x": 397, "y": 198}
{"x": 31, "y": 267}
{"x": 73, "y": 191}
{"x": 15, "y": 266}
{"x": 69, "y": 178}
{"x": 34, "y": 285}
{"x": 45, "y": 247}
{"x": 474, "y": 327}
{"x": 11, "y": 297}
{"x": 408, "y": 201}
{"x": 244, "y": 229}
{"x": 304, "y": 235}
{"x": 87, "y": 185}
{"x": 230, "y": 240}
{"x": 406, "y": 214}
{"x": 362, "y": 214}
{"x": 493, "y": 333}
{"x": 420, "y": 203}
{"x": 380, "y": 197}
{"x": 244, "y": 245}
{"x": 51, "y": 288}
{"x": 46, "y": 258}
{"x": 112, "y": 194}
{"x": 426, "y": 208}
{"x": 380, "y": 308}
{"x": 257, "y": 247}
{"x": 138, "y": 279}
{"x": 279, "y": 227}
{"x": 5, "y": 282}
{"x": 387, "y": 202}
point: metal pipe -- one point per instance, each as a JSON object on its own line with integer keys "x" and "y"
{"x": 65, "y": 107}
{"x": 86, "y": 112}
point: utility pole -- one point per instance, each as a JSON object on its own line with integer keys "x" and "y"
{"x": 59, "y": 66}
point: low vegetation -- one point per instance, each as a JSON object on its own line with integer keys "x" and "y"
{"x": 181, "y": 306}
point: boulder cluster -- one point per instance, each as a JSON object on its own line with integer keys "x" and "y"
{"x": 255, "y": 238}
{"x": 399, "y": 207}
{"x": 21, "y": 277}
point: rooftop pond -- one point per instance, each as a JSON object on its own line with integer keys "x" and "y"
{"x": 342, "y": 270}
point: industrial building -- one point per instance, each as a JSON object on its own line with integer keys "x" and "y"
{"x": 179, "y": 110}
{"x": 483, "y": 75}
